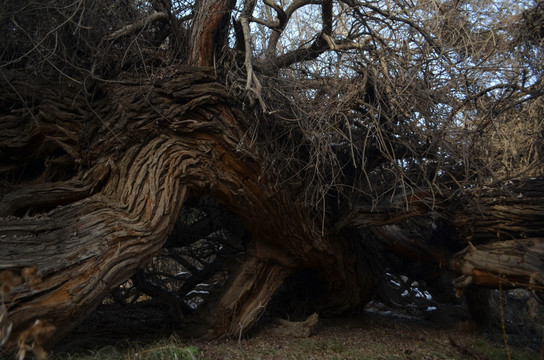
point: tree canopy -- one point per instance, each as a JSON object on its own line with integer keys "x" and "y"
{"x": 359, "y": 98}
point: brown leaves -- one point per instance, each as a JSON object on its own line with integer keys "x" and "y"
{"x": 8, "y": 281}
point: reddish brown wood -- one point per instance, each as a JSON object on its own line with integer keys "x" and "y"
{"x": 141, "y": 149}
{"x": 209, "y": 30}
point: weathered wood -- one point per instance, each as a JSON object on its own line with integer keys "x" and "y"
{"x": 255, "y": 281}
{"x": 505, "y": 264}
{"x": 94, "y": 169}
{"x": 297, "y": 329}
{"x": 141, "y": 163}
{"x": 140, "y": 156}
{"x": 504, "y": 212}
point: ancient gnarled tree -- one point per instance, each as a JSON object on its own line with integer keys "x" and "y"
{"x": 343, "y": 137}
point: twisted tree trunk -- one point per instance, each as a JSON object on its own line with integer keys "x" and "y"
{"x": 93, "y": 187}
{"x": 135, "y": 153}
{"x": 504, "y": 229}
{"x": 94, "y": 174}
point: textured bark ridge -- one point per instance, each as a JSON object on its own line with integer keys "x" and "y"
{"x": 134, "y": 153}
{"x": 96, "y": 165}
{"x": 506, "y": 264}
{"x": 491, "y": 237}
{"x": 210, "y": 30}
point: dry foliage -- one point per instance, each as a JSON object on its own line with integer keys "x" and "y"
{"x": 372, "y": 99}
{"x": 33, "y": 339}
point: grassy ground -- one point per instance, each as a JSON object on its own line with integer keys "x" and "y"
{"x": 370, "y": 336}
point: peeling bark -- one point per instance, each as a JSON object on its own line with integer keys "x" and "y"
{"x": 93, "y": 189}
{"x": 506, "y": 264}
{"x": 246, "y": 296}
{"x": 512, "y": 211}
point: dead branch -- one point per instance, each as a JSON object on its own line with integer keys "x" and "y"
{"x": 297, "y": 329}
{"x": 139, "y": 26}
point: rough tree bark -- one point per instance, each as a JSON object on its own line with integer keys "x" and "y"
{"x": 93, "y": 180}
{"x": 140, "y": 150}
{"x": 504, "y": 230}
{"x": 137, "y": 151}
{"x": 209, "y": 31}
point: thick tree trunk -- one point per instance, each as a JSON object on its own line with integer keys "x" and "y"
{"x": 256, "y": 280}
{"x": 511, "y": 211}
{"x": 93, "y": 176}
{"x": 141, "y": 150}
{"x": 506, "y": 226}
{"x": 97, "y": 184}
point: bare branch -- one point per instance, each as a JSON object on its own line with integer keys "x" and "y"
{"x": 249, "y": 6}
{"x": 326, "y": 16}
{"x": 268, "y": 24}
{"x": 283, "y": 19}
{"x": 139, "y": 26}
{"x": 322, "y": 44}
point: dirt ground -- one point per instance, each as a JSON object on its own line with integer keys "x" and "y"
{"x": 369, "y": 335}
